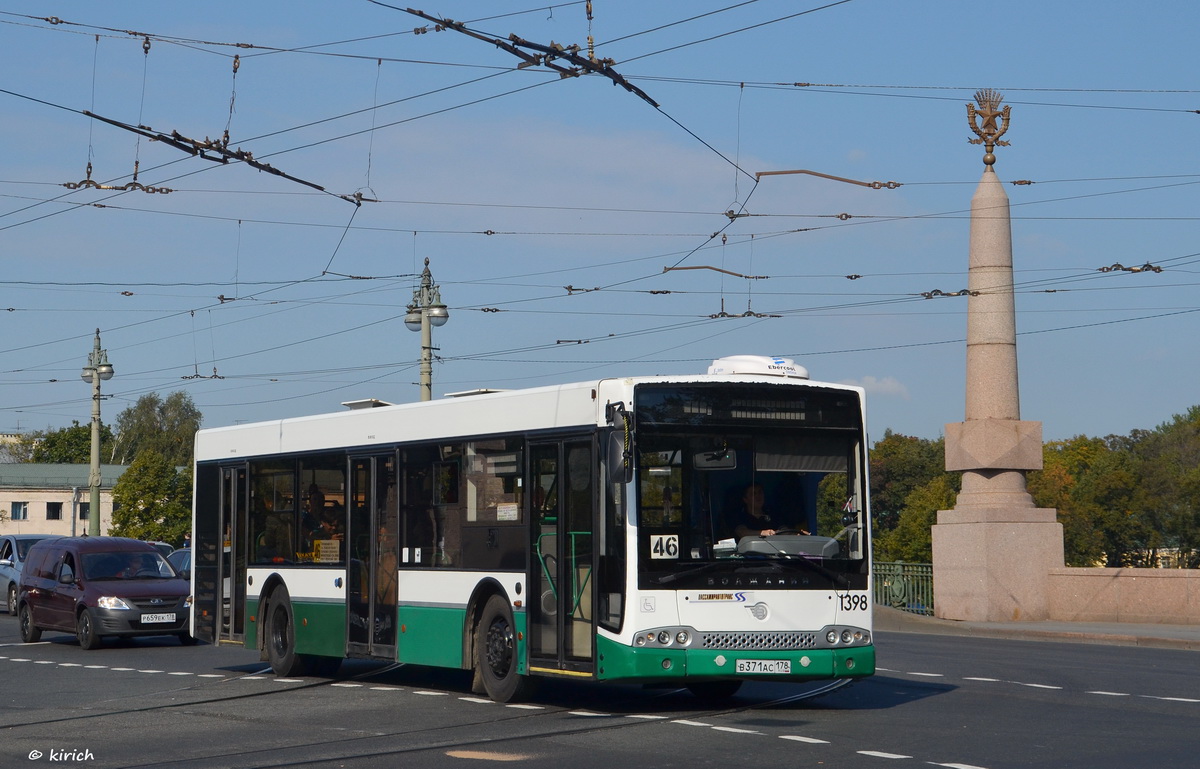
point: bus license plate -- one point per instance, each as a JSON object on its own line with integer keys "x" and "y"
{"x": 764, "y": 666}
{"x": 148, "y": 619}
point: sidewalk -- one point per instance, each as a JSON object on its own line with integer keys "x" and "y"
{"x": 892, "y": 620}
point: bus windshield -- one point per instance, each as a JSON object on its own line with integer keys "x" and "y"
{"x": 767, "y": 483}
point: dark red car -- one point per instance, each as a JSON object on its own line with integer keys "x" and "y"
{"x": 101, "y": 586}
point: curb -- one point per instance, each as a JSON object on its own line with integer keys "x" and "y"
{"x": 889, "y": 620}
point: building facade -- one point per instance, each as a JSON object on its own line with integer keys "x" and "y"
{"x": 53, "y": 499}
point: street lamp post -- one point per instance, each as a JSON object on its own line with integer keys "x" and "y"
{"x": 97, "y": 369}
{"x": 426, "y": 311}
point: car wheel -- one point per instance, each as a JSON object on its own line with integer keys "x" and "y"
{"x": 496, "y": 653}
{"x": 280, "y": 636}
{"x": 12, "y": 600}
{"x": 30, "y": 633}
{"x": 85, "y": 630}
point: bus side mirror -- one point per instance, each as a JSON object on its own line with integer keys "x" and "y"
{"x": 620, "y": 443}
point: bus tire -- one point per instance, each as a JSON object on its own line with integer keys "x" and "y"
{"x": 279, "y": 636}
{"x": 496, "y": 653}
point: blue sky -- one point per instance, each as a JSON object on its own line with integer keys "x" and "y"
{"x": 551, "y": 208}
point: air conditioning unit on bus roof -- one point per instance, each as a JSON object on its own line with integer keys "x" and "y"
{"x": 758, "y": 364}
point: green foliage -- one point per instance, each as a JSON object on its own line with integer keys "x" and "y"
{"x": 152, "y": 500}
{"x": 912, "y": 537}
{"x": 167, "y": 427}
{"x": 900, "y": 464}
{"x": 66, "y": 445}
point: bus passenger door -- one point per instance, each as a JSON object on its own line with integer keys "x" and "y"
{"x": 371, "y": 557}
{"x": 561, "y": 619}
{"x": 226, "y": 562}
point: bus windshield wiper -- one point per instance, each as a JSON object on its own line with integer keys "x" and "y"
{"x": 832, "y": 576}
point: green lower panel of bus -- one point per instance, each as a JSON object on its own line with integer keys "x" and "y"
{"x": 431, "y": 635}
{"x": 618, "y": 661}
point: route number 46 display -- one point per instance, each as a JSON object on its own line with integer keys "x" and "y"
{"x": 664, "y": 546}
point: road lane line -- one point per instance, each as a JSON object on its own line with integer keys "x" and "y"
{"x": 880, "y": 754}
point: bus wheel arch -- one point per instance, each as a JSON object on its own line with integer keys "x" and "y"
{"x": 479, "y": 598}
{"x": 497, "y": 662}
{"x": 279, "y": 635}
{"x": 271, "y": 583}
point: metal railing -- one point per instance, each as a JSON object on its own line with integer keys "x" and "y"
{"x": 905, "y": 586}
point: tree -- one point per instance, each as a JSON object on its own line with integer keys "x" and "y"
{"x": 64, "y": 446}
{"x": 900, "y": 464}
{"x": 1167, "y": 498}
{"x": 912, "y": 537}
{"x": 152, "y": 500}
{"x": 167, "y": 427}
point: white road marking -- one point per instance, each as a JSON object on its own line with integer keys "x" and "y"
{"x": 734, "y": 730}
{"x": 929, "y": 675}
{"x": 958, "y": 766}
{"x": 689, "y": 723}
{"x": 349, "y": 686}
{"x": 1038, "y": 686}
{"x": 526, "y": 707}
{"x": 989, "y": 680}
{"x": 809, "y": 740}
{"x": 1110, "y": 694}
{"x": 589, "y": 714}
{"x": 424, "y": 693}
{"x": 480, "y": 700}
{"x": 880, "y": 754}
{"x": 648, "y": 717}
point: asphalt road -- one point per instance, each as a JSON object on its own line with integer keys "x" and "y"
{"x": 937, "y": 701}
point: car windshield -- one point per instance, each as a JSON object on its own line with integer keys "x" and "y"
{"x": 23, "y": 546}
{"x": 127, "y": 565}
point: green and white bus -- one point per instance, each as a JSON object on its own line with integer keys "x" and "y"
{"x": 584, "y": 531}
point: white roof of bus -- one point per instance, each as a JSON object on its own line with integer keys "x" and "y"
{"x": 496, "y": 412}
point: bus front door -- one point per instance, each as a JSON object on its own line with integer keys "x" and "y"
{"x": 561, "y": 613}
{"x": 371, "y": 557}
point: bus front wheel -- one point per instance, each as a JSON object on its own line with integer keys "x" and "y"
{"x": 280, "y": 636}
{"x": 496, "y": 653}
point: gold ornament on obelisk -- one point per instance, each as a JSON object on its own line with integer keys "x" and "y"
{"x": 995, "y": 122}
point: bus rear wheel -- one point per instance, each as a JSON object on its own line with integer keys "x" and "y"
{"x": 279, "y": 636}
{"x": 496, "y": 653}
